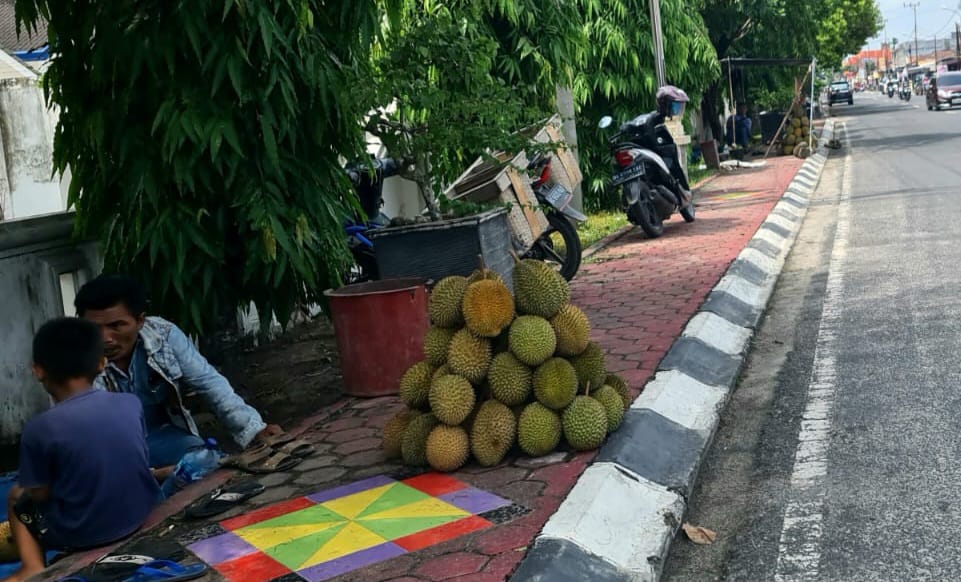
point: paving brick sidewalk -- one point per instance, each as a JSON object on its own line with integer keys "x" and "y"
{"x": 638, "y": 294}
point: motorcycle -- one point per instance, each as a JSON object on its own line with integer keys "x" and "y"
{"x": 558, "y": 244}
{"x": 647, "y": 168}
{"x": 904, "y": 92}
{"x": 890, "y": 90}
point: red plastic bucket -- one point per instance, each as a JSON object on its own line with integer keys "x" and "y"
{"x": 380, "y": 332}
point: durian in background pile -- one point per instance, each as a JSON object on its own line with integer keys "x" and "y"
{"x": 502, "y": 370}
{"x": 796, "y": 134}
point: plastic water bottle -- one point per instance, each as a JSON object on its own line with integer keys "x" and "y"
{"x": 195, "y": 465}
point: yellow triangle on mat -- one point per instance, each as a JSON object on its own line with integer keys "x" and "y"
{"x": 352, "y": 538}
{"x": 269, "y": 537}
{"x": 423, "y": 508}
{"x": 350, "y": 506}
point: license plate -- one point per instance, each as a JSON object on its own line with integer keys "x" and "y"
{"x": 556, "y": 195}
{"x": 627, "y": 175}
{"x": 956, "y": 101}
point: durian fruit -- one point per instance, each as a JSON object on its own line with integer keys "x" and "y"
{"x": 451, "y": 399}
{"x": 444, "y": 304}
{"x": 532, "y": 339}
{"x": 447, "y": 448}
{"x": 584, "y": 423}
{"x": 613, "y": 406}
{"x": 469, "y": 356}
{"x": 590, "y": 366}
{"x": 572, "y": 329}
{"x": 796, "y": 122}
{"x": 483, "y": 274}
{"x": 436, "y": 341}
{"x": 538, "y": 430}
{"x": 511, "y": 382}
{"x": 539, "y": 289}
{"x": 555, "y": 383}
{"x": 413, "y": 447}
{"x": 488, "y": 308}
{"x": 439, "y": 373}
{"x": 492, "y": 433}
{"x": 415, "y": 384}
{"x": 620, "y": 386}
{"x": 790, "y": 139}
{"x": 8, "y": 549}
{"x": 393, "y": 433}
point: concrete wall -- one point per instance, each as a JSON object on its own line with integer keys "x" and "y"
{"x": 28, "y": 186}
{"x": 40, "y": 270}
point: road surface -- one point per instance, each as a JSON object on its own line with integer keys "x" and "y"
{"x": 839, "y": 457}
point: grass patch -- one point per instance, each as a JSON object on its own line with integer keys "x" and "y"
{"x": 695, "y": 174}
{"x": 599, "y": 225}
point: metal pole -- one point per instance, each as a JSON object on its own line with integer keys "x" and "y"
{"x": 659, "y": 68}
{"x": 914, "y": 6}
{"x": 814, "y": 64}
{"x": 957, "y": 38}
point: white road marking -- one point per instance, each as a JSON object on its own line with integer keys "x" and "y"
{"x": 799, "y": 549}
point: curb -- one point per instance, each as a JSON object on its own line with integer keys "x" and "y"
{"x": 619, "y": 520}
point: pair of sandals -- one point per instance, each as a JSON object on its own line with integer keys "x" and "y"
{"x": 271, "y": 454}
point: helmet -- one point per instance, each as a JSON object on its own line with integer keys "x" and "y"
{"x": 671, "y": 100}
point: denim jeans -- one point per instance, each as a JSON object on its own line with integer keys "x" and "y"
{"x": 168, "y": 444}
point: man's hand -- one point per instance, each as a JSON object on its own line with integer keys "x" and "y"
{"x": 271, "y": 430}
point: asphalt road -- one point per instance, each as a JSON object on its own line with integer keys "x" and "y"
{"x": 839, "y": 457}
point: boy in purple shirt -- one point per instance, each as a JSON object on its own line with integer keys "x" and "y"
{"x": 84, "y": 476}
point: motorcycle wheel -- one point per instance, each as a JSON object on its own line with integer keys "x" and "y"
{"x": 688, "y": 212}
{"x": 644, "y": 214}
{"x": 559, "y": 246}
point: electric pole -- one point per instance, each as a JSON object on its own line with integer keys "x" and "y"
{"x": 957, "y": 39}
{"x": 659, "y": 68}
{"x": 914, "y": 5}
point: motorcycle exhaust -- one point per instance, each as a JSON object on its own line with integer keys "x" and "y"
{"x": 665, "y": 201}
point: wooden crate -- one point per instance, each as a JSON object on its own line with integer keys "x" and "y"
{"x": 504, "y": 180}
{"x": 564, "y": 167}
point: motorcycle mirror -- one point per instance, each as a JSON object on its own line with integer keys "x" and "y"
{"x": 605, "y": 122}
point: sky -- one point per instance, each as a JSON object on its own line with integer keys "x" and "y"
{"x": 932, "y": 20}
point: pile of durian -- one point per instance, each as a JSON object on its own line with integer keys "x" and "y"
{"x": 501, "y": 370}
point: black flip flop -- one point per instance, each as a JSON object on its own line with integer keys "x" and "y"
{"x": 221, "y": 499}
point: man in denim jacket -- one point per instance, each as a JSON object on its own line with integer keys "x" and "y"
{"x": 154, "y": 359}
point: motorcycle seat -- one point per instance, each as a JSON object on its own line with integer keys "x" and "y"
{"x": 644, "y": 121}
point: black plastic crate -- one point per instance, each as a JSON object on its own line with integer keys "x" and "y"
{"x": 449, "y": 247}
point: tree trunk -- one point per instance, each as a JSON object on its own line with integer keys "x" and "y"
{"x": 565, "y": 107}
{"x": 710, "y": 114}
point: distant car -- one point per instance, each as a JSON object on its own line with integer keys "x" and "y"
{"x": 840, "y": 92}
{"x": 944, "y": 91}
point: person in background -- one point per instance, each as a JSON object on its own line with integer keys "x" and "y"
{"x": 84, "y": 480}
{"x": 152, "y": 358}
{"x": 739, "y": 127}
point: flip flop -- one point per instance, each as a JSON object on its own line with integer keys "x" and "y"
{"x": 167, "y": 571}
{"x": 220, "y": 500}
{"x": 262, "y": 459}
{"x": 287, "y": 443}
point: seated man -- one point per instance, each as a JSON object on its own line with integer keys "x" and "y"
{"x": 154, "y": 359}
{"x": 84, "y": 477}
{"x": 739, "y": 127}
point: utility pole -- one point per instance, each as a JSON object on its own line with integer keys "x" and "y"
{"x": 957, "y": 39}
{"x": 659, "y": 67}
{"x": 914, "y": 5}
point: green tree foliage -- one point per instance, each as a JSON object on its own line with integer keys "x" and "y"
{"x": 845, "y": 28}
{"x": 203, "y": 140}
{"x": 618, "y": 77}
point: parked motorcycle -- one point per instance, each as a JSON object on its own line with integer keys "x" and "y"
{"x": 647, "y": 168}
{"x": 559, "y": 244}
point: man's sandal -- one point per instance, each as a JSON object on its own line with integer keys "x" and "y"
{"x": 261, "y": 459}
{"x": 287, "y": 443}
{"x": 221, "y": 499}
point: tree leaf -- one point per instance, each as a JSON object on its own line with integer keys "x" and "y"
{"x": 699, "y": 535}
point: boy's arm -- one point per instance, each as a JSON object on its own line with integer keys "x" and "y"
{"x": 241, "y": 419}
{"x": 35, "y": 465}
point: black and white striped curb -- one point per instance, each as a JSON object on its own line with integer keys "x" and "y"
{"x": 620, "y": 518}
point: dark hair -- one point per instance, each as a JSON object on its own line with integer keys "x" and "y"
{"x": 68, "y": 348}
{"x": 106, "y": 291}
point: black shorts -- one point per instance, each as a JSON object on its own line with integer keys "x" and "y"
{"x": 31, "y": 515}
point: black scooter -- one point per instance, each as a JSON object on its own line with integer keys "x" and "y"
{"x": 647, "y": 168}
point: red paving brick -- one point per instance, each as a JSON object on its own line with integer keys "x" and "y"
{"x": 638, "y": 294}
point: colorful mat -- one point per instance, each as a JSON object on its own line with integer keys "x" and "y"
{"x": 332, "y": 532}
